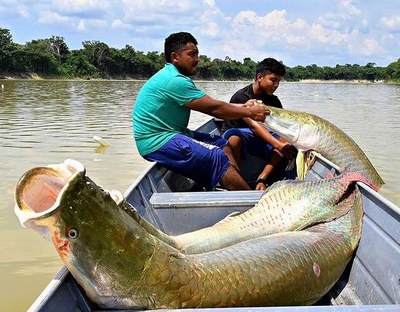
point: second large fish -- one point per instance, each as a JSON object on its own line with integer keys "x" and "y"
{"x": 309, "y": 132}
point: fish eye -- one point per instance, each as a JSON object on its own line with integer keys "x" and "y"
{"x": 73, "y": 233}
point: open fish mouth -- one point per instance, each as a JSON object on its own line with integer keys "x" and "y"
{"x": 39, "y": 191}
{"x": 120, "y": 263}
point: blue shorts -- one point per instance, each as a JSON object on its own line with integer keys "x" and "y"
{"x": 200, "y": 158}
{"x": 251, "y": 144}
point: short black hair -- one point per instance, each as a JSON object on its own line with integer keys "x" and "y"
{"x": 176, "y": 42}
{"x": 270, "y": 65}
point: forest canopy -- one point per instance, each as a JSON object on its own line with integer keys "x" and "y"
{"x": 52, "y": 58}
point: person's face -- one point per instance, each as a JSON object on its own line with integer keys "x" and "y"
{"x": 269, "y": 83}
{"x": 186, "y": 60}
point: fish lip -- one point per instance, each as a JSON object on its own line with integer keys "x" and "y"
{"x": 71, "y": 166}
{"x": 295, "y": 134}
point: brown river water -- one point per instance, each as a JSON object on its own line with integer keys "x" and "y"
{"x": 45, "y": 122}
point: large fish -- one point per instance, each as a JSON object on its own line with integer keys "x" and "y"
{"x": 309, "y": 132}
{"x": 288, "y": 205}
{"x": 120, "y": 264}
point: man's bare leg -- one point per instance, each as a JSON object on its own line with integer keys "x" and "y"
{"x": 233, "y": 149}
{"x": 232, "y": 180}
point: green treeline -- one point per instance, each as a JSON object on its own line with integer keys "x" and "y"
{"x": 51, "y": 58}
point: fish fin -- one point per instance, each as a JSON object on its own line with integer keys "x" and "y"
{"x": 300, "y": 165}
{"x": 310, "y": 157}
{"x": 304, "y": 161}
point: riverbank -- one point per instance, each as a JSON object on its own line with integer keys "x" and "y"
{"x": 35, "y": 76}
{"x": 339, "y": 81}
{"x": 20, "y": 76}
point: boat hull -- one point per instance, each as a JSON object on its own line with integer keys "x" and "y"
{"x": 162, "y": 197}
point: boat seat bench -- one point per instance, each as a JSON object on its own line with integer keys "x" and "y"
{"x": 205, "y": 199}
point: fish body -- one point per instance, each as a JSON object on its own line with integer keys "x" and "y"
{"x": 121, "y": 264}
{"x": 309, "y": 132}
{"x": 288, "y": 205}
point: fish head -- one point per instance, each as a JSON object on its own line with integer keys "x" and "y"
{"x": 37, "y": 194}
{"x": 299, "y": 128}
{"x": 84, "y": 222}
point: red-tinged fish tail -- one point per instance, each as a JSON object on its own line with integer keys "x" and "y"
{"x": 354, "y": 176}
{"x": 329, "y": 175}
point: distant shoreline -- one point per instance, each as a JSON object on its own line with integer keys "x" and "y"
{"x": 34, "y": 76}
{"x": 338, "y": 81}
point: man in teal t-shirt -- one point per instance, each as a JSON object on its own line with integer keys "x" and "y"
{"x": 160, "y": 111}
{"x": 161, "y": 115}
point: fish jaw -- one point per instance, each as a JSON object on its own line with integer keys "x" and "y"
{"x": 309, "y": 132}
{"x": 88, "y": 228}
{"x": 286, "y": 129}
{"x": 303, "y": 136}
{"x": 39, "y": 191}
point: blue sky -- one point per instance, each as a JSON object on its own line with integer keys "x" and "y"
{"x": 322, "y": 32}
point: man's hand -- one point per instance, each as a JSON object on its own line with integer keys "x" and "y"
{"x": 258, "y": 111}
{"x": 289, "y": 151}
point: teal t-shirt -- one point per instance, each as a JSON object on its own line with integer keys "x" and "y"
{"x": 159, "y": 112}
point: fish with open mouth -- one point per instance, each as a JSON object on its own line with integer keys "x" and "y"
{"x": 121, "y": 264}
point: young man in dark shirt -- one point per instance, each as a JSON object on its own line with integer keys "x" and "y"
{"x": 249, "y": 136}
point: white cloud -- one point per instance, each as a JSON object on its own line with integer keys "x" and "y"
{"x": 211, "y": 30}
{"x": 371, "y": 46}
{"x": 274, "y": 20}
{"x": 365, "y": 47}
{"x": 117, "y": 23}
{"x": 342, "y": 18}
{"x": 391, "y": 23}
{"x": 80, "y": 6}
{"x": 349, "y": 8}
{"x": 92, "y": 24}
{"x": 81, "y": 25}
{"x": 75, "y": 23}
{"x": 159, "y": 11}
{"x": 325, "y": 36}
{"x": 48, "y": 17}
{"x": 13, "y": 9}
{"x": 23, "y": 11}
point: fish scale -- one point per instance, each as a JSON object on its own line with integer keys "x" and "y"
{"x": 322, "y": 199}
{"x": 286, "y": 206}
{"x": 310, "y": 132}
{"x": 263, "y": 280}
{"x": 121, "y": 264}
